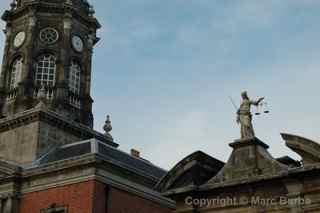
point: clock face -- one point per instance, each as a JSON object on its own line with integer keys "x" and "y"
{"x": 19, "y": 39}
{"x": 77, "y": 43}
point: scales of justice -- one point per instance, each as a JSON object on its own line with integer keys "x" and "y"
{"x": 244, "y": 115}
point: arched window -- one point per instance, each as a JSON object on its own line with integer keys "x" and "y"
{"x": 46, "y": 70}
{"x": 74, "y": 77}
{"x": 16, "y": 71}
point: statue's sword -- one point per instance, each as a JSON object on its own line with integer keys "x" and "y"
{"x": 234, "y": 105}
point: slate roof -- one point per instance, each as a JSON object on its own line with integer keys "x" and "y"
{"x": 112, "y": 154}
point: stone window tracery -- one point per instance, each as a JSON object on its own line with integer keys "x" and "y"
{"x": 46, "y": 70}
{"x": 49, "y": 35}
{"x": 16, "y": 71}
{"x": 74, "y": 77}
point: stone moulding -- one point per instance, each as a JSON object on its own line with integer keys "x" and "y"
{"x": 54, "y": 119}
{"x": 84, "y": 168}
{"x": 308, "y": 150}
{"x": 245, "y": 142}
{"x": 302, "y": 171}
{"x": 198, "y": 167}
{"x": 47, "y": 7}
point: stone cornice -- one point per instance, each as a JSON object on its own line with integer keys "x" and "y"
{"x": 33, "y": 115}
{"x": 81, "y": 169}
{"x": 292, "y": 173}
{"x": 82, "y": 161}
{"x": 75, "y": 162}
{"x": 129, "y": 186}
{"x": 51, "y": 7}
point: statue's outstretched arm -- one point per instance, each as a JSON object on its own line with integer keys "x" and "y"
{"x": 256, "y": 103}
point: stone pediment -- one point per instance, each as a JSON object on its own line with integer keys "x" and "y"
{"x": 308, "y": 150}
{"x": 195, "y": 169}
{"x": 249, "y": 159}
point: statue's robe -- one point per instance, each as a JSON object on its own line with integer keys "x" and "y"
{"x": 245, "y": 118}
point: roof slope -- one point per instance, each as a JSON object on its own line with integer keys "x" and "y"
{"x": 112, "y": 154}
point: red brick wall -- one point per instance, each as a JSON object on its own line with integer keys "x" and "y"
{"x": 99, "y": 201}
{"x": 78, "y": 198}
{"x": 123, "y": 202}
{"x": 89, "y": 197}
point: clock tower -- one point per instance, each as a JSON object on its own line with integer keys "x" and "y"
{"x": 45, "y": 78}
{"x": 47, "y": 58}
{"x": 51, "y": 158}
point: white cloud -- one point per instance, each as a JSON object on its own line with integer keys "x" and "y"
{"x": 222, "y": 53}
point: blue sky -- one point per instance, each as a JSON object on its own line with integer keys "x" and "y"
{"x": 164, "y": 71}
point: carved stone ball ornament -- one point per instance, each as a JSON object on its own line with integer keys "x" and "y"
{"x": 107, "y": 126}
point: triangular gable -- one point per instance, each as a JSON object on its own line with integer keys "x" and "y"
{"x": 194, "y": 169}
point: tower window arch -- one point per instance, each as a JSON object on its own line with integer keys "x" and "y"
{"x": 74, "y": 77}
{"x": 15, "y": 74}
{"x": 46, "y": 70}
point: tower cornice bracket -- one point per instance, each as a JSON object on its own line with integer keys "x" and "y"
{"x": 6, "y": 15}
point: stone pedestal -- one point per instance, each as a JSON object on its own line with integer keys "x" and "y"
{"x": 249, "y": 158}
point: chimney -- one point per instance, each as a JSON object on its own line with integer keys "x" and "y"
{"x": 135, "y": 153}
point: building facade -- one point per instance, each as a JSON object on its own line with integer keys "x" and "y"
{"x": 53, "y": 161}
{"x": 49, "y": 46}
{"x": 251, "y": 181}
{"x": 51, "y": 158}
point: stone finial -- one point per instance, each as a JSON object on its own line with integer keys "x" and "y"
{"x": 107, "y": 126}
{"x": 13, "y": 5}
{"x": 42, "y": 93}
{"x": 32, "y": 21}
{"x": 91, "y": 39}
{"x": 41, "y": 105}
{"x": 42, "y": 98}
{"x": 69, "y": 2}
{"x": 91, "y": 11}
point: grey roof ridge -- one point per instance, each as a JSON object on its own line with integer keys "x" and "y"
{"x": 138, "y": 158}
{"x": 36, "y": 164}
{"x": 93, "y": 157}
{"x": 94, "y": 140}
{"x": 125, "y": 166}
{"x": 80, "y": 142}
{"x": 38, "y": 161}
